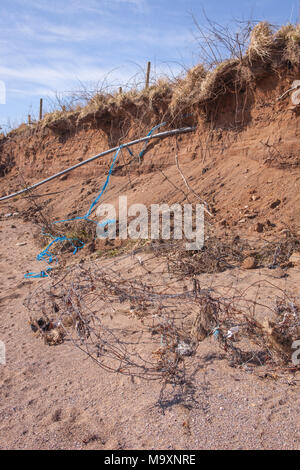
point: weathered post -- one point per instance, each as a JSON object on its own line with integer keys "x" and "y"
{"x": 148, "y": 75}
{"x": 41, "y": 109}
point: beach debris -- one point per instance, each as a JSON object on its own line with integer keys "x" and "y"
{"x": 54, "y": 336}
{"x": 233, "y": 331}
{"x": 205, "y": 320}
{"x": 184, "y": 349}
{"x": 10, "y": 214}
{"x": 216, "y": 333}
{"x": 52, "y": 332}
{"x": 40, "y": 324}
{"x": 295, "y": 97}
{"x": 82, "y": 303}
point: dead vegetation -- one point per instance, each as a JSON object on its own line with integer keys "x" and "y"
{"x": 218, "y": 255}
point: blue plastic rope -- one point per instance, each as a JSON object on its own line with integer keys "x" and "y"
{"x": 37, "y": 275}
{"x": 49, "y": 257}
{"x": 141, "y": 154}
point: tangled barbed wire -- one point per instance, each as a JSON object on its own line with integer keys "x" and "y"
{"x": 134, "y": 316}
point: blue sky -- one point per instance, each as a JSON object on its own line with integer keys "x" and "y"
{"x": 49, "y": 46}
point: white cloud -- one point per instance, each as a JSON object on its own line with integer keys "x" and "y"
{"x": 45, "y": 74}
{"x": 138, "y": 3}
{"x": 61, "y": 8}
{"x": 51, "y": 46}
{"x": 75, "y": 6}
{"x": 45, "y": 80}
{"x": 32, "y": 92}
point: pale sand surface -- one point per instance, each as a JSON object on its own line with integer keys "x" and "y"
{"x": 57, "y": 398}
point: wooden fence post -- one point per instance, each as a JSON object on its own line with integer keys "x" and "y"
{"x": 148, "y": 75}
{"x": 41, "y": 109}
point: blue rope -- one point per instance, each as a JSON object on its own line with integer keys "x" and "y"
{"x": 141, "y": 154}
{"x": 37, "y": 275}
{"x": 49, "y": 257}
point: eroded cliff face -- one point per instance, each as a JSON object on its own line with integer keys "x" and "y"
{"x": 243, "y": 156}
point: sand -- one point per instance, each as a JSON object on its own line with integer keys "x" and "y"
{"x": 57, "y": 398}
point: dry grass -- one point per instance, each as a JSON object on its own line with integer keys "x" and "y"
{"x": 266, "y": 42}
{"x": 266, "y": 45}
{"x": 98, "y": 104}
{"x": 113, "y": 104}
{"x": 261, "y": 42}
{"x": 217, "y": 80}
{"x": 59, "y": 120}
{"x": 171, "y": 99}
{"x": 107, "y": 106}
{"x": 228, "y": 76}
{"x": 288, "y": 37}
{"x": 186, "y": 91}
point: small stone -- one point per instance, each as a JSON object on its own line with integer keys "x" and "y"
{"x": 295, "y": 258}
{"x": 285, "y": 232}
{"x": 279, "y": 273}
{"x": 275, "y": 204}
{"x": 249, "y": 263}
{"x": 259, "y": 227}
{"x": 270, "y": 224}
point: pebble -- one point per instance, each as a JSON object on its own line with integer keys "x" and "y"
{"x": 295, "y": 258}
{"x": 249, "y": 263}
{"x": 259, "y": 227}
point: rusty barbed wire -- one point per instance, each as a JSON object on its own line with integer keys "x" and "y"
{"x": 135, "y": 316}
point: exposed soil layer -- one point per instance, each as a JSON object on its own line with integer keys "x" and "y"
{"x": 247, "y": 173}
